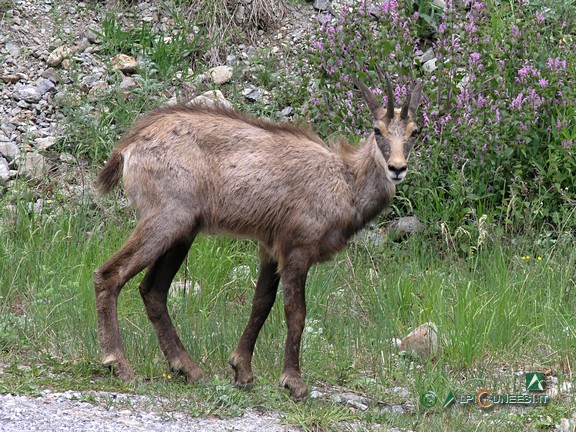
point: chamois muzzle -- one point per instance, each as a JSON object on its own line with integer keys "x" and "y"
{"x": 397, "y": 174}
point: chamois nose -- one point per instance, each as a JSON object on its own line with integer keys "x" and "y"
{"x": 397, "y": 171}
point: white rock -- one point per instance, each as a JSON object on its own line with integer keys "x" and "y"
{"x": 220, "y": 74}
{"x": 212, "y": 97}
{"x": 430, "y": 66}
{"x": 4, "y": 171}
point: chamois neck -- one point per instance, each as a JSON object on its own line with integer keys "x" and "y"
{"x": 372, "y": 190}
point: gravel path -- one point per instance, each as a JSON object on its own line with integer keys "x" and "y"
{"x": 67, "y": 412}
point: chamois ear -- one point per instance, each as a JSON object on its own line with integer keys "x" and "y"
{"x": 414, "y": 100}
{"x": 368, "y": 96}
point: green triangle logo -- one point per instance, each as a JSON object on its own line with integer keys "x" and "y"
{"x": 535, "y": 381}
{"x": 449, "y": 399}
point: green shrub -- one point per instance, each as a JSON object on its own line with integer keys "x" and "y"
{"x": 499, "y": 120}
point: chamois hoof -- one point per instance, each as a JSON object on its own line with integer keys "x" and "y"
{"x": 293, "y": 382}
{"x": 120, "y": 369}
{"x": 193, "y": 376}
{"x": 243, "y": 377}
{"x": 184, "y": 365}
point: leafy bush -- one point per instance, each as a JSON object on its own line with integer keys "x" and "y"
{"x": 499, "y": 120}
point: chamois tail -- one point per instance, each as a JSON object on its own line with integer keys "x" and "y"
{"x": 110, "y": 174}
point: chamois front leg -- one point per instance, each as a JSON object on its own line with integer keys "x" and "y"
{"x": 293, "y": 283}
{"x": 264, "y": 297}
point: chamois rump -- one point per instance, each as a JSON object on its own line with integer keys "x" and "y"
{"x": 200, "y": 168}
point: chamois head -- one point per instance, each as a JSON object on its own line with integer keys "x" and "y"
{"x": 394, "y": 129}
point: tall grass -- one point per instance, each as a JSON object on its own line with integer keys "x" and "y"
{"x": 491, "y": 308}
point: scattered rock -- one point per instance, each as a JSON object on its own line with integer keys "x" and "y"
{"x": 32, "y": 167}
{"x": 231, "y": 60}
{"x": 124, "y": 63}
{"x": 439, "y": 3}
{"x": 9, "y": 150}
{"x": 322, "y": 5}
{"x": 45, "y": 143}
{"x": 98, "y": 86}
{"x": 127, "y": 83}
{"x": 57, "y": 56}
{"x": 220, "y": 74}
{"x": 252, "y": 93}
{"x": 430, "y": 66}
{"x": 287, "y": 112}
{"x": 11, "y": 78}
{"x": 352, "y": 399}
{"x": 400, "y": 228}
{"x": 92, "y": 35}
{"x": 44, "y": 86}
{"x": 422, "y": 341}
{"x": 4, "y": 171}
{"x": 426, "y": 57}
{"x": 12, "y": 49}
{"x": 27, "y": 93}
{"x": 213, "y": 97}
{"x": 368, "y": 238}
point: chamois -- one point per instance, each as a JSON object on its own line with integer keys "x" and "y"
{"x": 206, "y": 168}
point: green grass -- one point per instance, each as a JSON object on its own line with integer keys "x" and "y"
{"x": 500, "y": 314}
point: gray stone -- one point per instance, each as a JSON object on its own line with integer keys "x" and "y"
{"x": 92, "y": 35}
{"x": 4, "y": 171}
{"x": 127, "y": 83}
{"x": 231, "y": 60}
{"x": 44, "y": 86}
{"x": 45, "y": 143}
{"x": 430, "y": 66}
{"x": 9, "y": 150}
{"x": 368, "y": 238}
{"x": 252, "y": 93}
{"x": 400, "y": 228}
{"x": 32, "y": 166}
{"x": 439, "y": 3}
{"x": 26, "y": 93}
{"x": 322, "y": 5}
{"x": 287, "y": 112}
{"x": 353, "y": 400}
{"x": 427, "y": 56}
{"x": 12, "y": 49}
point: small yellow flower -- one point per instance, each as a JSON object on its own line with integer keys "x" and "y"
{"x": 539, "y": 258}
{"x": 525, "y": 257}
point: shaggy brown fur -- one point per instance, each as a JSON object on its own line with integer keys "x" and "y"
{"x": 197, "y": 168}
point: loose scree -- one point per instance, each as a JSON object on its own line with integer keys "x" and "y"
{"x": 206, "y": 168}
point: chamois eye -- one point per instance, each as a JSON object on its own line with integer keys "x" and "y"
{"x": 377, "y": 131}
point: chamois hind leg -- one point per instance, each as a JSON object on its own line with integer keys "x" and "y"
{"x": 154, "y": 290}
{"x": 264, "y": 297}
{"x": 294, "y": 276}
{"x": 149, "y": 240}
